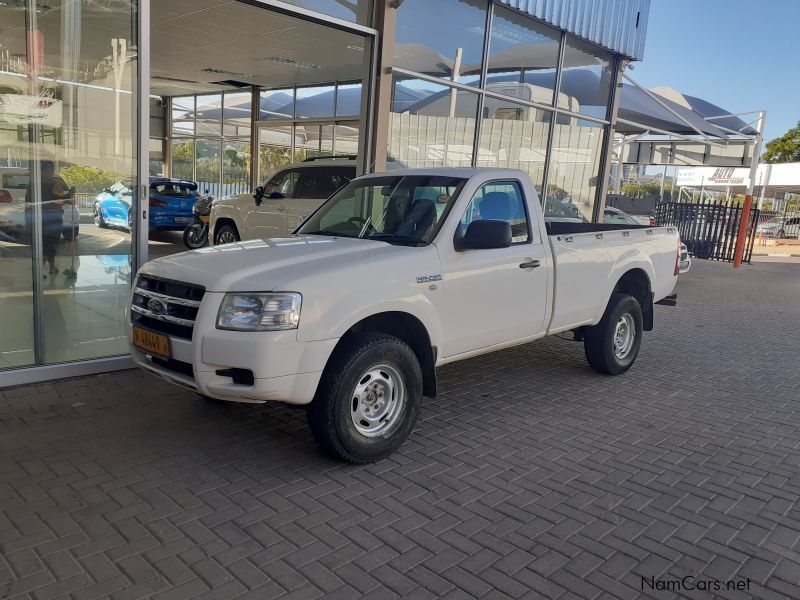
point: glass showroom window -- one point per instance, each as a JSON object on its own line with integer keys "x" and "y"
{"x": 348, "y": 99}
{"x": 574, "y": 165}
{"x": 277, "y": 104}
{"x": 64, "y": 278}
{"x": 431, "y": 125}
{"x": 586, "y": 79}
{"x": 356, "y": 11}
{"x": 523, "y": 57}
{"x": 236, "y": 115}
{"x": 442, "y": 38}
{"x": 183, "y": 115}
{"x": 208, "y": 115}
{"x": 514, "y": 136}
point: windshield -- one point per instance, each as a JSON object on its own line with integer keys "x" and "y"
{"x": 395, "y": 208}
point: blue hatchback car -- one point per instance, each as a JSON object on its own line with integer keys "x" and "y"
{"x": 171, "y": 202}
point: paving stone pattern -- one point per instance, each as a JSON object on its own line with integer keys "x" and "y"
{"x": 529, "y": 477}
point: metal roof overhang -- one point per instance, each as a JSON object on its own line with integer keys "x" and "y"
{"x": 667, "y": 112}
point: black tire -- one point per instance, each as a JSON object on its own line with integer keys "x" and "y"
{"x": 70, "y": 233}
{"x": 192, "y": 237}
{"x": 98, "y": 216}
{"x": 329, "y": 415}
{"x": 223, "y": 231}
{"x": 781, "y": 234}
{"x": 599, "y": 342}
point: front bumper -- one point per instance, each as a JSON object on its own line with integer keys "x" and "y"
{"x": 283, "y": 369}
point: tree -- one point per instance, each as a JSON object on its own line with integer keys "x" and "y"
{"x": 88, "y": 180}
{"x": 785, "y": 148}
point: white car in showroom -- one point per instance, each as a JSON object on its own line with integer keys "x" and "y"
{"x": 14, "y": 184}
{"x": 282, "y": 203}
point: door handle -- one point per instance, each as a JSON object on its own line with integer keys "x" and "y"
{"x": 531, "y": 264}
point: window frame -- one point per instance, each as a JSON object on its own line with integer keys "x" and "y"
{"x": 520, "y": 188}
{"x": 285, "y": 172}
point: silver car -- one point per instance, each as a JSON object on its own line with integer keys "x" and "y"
{"x": 780, "y": 228}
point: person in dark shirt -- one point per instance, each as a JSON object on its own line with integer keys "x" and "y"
{"x": 55, "y": 195}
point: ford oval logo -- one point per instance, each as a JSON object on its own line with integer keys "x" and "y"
{"x": 156, "y": 306}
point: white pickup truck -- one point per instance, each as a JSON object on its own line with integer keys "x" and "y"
{"x": 395, "y": 275}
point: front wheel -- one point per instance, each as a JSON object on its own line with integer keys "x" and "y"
{"x": 781, "y": 234}
{"x": 226, "y": 234}
{"x": 612, "y": 345}
{"x": 368, "y": 399}
{"x": 195, "y": 236}
{"x": 99, "y": 220}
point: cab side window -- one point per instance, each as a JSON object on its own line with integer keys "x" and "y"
{"x": 320, "y": 183}
{"x": 499, "y": 201}
{"x": 614, "y": 218}
{"x": 283, "y": 183}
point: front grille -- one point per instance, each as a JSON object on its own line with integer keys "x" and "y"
{"x": 166, "y": 306}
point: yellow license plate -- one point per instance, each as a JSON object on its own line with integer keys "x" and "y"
{"x": 152, "y": 343}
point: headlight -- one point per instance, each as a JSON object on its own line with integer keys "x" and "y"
{"x": 259, "y": 312}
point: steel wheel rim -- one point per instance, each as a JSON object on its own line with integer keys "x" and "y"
{"x": 377, "y": 400}
{"x": 226, "y": 237}
{"x": 624, "y": 336}
{"x": 97, "y": 216}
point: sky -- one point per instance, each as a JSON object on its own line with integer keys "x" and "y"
{"x": 741, "y": 55}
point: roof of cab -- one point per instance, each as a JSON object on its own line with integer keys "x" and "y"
{"x": 465, "y": 172}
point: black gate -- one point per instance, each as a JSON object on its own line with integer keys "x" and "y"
{"x": 709, "y": 228}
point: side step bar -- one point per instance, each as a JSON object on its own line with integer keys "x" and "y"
{"x": 669, "y": 300}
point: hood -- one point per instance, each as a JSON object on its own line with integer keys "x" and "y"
{"x": 259, "y": 265}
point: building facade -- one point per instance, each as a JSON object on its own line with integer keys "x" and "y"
{"x": 98, "y": 96}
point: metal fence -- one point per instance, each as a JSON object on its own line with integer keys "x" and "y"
{"x": 709, "y": 228}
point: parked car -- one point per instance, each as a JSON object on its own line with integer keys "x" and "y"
{"x": 171, "y": 202}
{"x": 780, "y": 228}
{"x": 615, "y": 216}
{"x": 14, "y": 224}
{"x": 352, "y": 313}
{"x": 282, "y": 203}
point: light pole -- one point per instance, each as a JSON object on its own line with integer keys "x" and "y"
{"x": 748, "y": 198}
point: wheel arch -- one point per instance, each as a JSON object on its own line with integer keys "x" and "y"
{"x": 636, "y": 282}
{"x": 408, "y": 328}
{"x": 224, "y": 221}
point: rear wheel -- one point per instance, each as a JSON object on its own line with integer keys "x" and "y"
{"x": 226, "y": 234}
{"x": 70, "y": 233}
{"x": 368, "y": 399}
{"x": 782, "y": 234}
{"x": 612, "y": 345}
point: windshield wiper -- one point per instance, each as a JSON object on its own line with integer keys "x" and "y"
{"x": 394, "y": 238}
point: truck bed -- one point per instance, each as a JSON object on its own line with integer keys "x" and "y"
{"x": 589, "y": 259}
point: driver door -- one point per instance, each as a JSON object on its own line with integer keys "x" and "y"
{"x": 269, "y": 218}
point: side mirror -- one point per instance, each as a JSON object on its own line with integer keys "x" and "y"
{"x": 259, "y": 195}
{"x": 485, "y": 235}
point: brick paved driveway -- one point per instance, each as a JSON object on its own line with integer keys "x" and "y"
{"x": 530, "y": 476}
